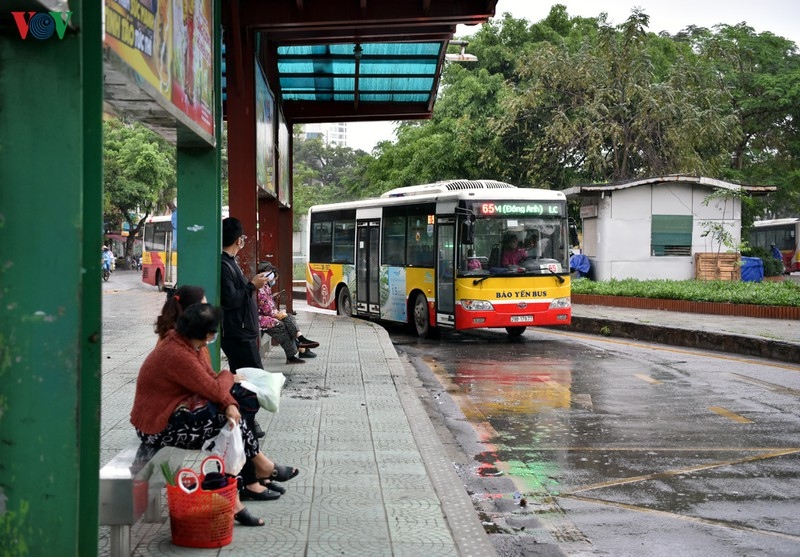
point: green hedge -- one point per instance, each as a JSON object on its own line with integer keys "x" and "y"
{"x": 785, "y": 293}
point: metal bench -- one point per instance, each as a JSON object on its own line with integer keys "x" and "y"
{"x": 130, "y": 486}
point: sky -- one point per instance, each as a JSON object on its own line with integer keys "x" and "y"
{"x": 781, "y": 17}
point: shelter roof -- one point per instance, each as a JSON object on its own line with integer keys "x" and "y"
{"x": 354, "y": 60}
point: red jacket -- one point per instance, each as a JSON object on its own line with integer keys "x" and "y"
{"x": 173, "y": 372}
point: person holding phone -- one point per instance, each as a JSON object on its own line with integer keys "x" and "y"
{"x": 278, "y": 324}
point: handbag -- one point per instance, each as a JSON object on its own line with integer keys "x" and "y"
{"x": 266, "y": 385}
{"x": 229, "y": 447}
{"x": 194, "y": 408}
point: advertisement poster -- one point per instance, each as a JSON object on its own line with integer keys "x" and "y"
{"x": 169, "y": 45}
{"x": 265, "y": 135}
{"x": 285, "y": 159}
{"x": 393, "y": 293}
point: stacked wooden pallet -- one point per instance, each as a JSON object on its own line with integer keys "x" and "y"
{"x": 717, "y": 266}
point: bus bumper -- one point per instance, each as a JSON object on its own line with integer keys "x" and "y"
{"x": 514, "y": 315}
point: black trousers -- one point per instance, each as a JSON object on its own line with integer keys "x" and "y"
{"x": 241, "y": 352}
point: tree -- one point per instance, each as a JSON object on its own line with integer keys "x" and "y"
{"x": 611, "y": 110}
{"x": 321, "y": 174}
{"x": 761, "y": 73}
{"x": 139, "y": 176}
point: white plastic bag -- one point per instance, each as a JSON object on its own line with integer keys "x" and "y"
{"x": 228, "y": 445}
{"x": 266, "y": 385}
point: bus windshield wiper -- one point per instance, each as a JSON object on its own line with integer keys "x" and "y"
{"x": 480, "y": 280}
{"x": 559, "y": 277}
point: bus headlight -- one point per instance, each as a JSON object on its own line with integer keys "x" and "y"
{"x": 561, "y": 303}
{"x": 476, "y": 305}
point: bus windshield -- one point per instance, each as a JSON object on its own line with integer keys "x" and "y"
{"x": 499, "y": 245}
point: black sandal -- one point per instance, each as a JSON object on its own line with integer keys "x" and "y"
{"x": 283, "y": 473}
{"x": 267, "y": 495}
{"x": 273, "y": 486}
{"x": 244, "y": 518}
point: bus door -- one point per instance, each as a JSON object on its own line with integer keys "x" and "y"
{"x": 445, "y": 271}
{"x": 170, "y": 270}
{"x": 368, "y": 267}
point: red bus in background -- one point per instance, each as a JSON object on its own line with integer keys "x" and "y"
{"x": 159, "y": 256}
{"x": 785, "y": 234}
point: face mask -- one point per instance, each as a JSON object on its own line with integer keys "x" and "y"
{"x": 213, "y": 339}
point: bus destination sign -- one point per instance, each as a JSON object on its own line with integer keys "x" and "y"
{"x": 519, "y": 209}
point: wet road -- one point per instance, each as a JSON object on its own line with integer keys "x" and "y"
{"x": 611, "y": 447}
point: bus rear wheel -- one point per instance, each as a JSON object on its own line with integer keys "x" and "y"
{"x": 344, "y": 303}
{"x": 421, "y": 316}
{"x": 515, "y": 332}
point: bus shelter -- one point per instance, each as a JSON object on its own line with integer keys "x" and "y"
{"x": 180, "y": 68}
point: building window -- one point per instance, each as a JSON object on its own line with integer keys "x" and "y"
{"x": 671, "y": 235}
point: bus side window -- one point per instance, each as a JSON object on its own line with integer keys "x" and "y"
{"x": 415, "y": 256}
{"x": 427, "y": 256}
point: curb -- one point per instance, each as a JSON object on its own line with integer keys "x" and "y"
{"x": 685, "y": 306}
{"x": 703, "y": 340}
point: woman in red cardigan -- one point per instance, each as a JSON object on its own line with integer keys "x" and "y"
{"x": 181, "y": 402}
{"x": 251, "y": 489}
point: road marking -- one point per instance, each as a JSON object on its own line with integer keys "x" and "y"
{"x": 775, "y": 388}
{"x": 730, "y": 415}
{"x": 680, "y": 471}
{"x": 601, "y": 449}
{"x": 647, "y": 378}
{"x": 656, "y": 346}
{"x": 695, "y": 519}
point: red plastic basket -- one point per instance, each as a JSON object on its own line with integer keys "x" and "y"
{"x": 197, "y": 517}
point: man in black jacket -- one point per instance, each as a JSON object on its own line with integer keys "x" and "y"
{"x": 240, "y": 331}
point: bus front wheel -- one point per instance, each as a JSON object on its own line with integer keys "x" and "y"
{"x": 515, "y": 332}
{"x": 421, "y": 316}
{"x": 344, "y": 303}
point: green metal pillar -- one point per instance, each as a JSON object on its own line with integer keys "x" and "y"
{"x": 50, "y": 331}
{"x": 200, "y": 202}
{"x": 199, "y": 223}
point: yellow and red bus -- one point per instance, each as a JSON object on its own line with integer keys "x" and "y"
{"x": 433, "y": 256}
{"x": 783, "y": 234}
{"x": 159, "y": 253}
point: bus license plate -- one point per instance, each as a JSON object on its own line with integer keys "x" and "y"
{"x": 521, "y": 318}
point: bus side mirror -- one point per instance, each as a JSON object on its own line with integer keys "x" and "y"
{"x": 468, "y": 231}
{"x": 573, "y": 235}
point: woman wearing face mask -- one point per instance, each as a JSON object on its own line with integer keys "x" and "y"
{"x": 278, "y": 324}
{"x": 253, "y": 489}
{"x": 180, "y": 401}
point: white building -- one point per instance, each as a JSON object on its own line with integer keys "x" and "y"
{"x": 651, "y": 228}
{"x": 332, "y": 133}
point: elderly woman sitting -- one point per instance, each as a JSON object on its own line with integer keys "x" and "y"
{"x": 279, "y": 324}
{"x": 180, "y": 401}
